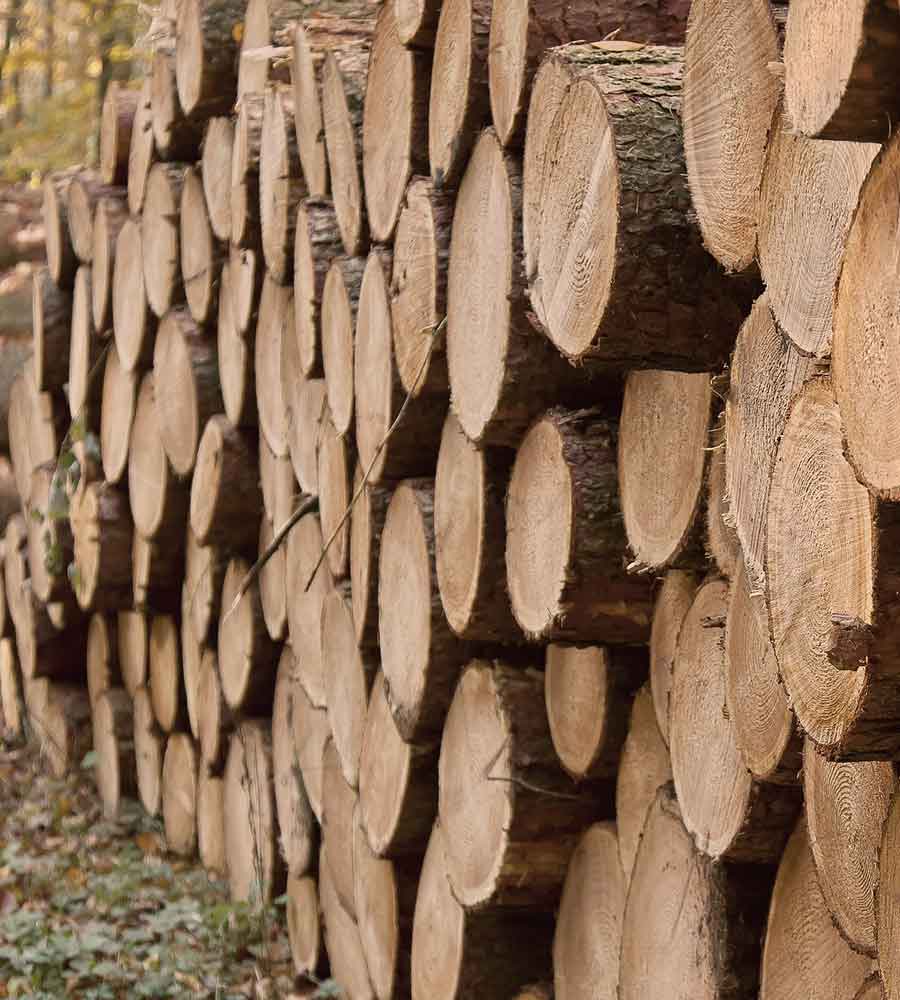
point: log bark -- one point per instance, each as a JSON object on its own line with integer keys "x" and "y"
{"x": 853, "y": 52}
{"x": 307, "y": 409}
{"x": 342, "y": 941}
{"x": 395, "y": 123}
{"x": 109, "y": 217}
{"x": 167, "y": 692}
{"x": 117, "y": 119}
{"x": 226, "y": 501}
{"x": 179, "y": 795}
{"x": 255, "y": 870}
{"x": 336, "y": 459}
{"x": 51, "y": 318}
{"x": 204, "y": 572}
{"x": 177, "y": 136}
{"x": 459, "y": 103}
{"x": 157, "y": 573}
{"x": 397, "y": 787}
{"x": 644, "y": 768}
{"x": 142, "y": 151}
{"x": 202, "y": 255}
{"x": 215, "y": 722}
{"x": 160, "y": 236}
{"x": 86, "y": 191}
{"x": 366, "y": 526}
{"x": 296, "y": 823}
{"x": 690, "y": 923}
{"x": 281, "y": 182}
{"x": 235, "y": 355}
{"x": 245, "y": 171}
{"x": 61, "y": 259}
{"x": 565, "y": 545}
{"x": 730, "y": 93}
{"x": 133, "y": 639}
{"x": 115, "y": 767}
{"x": 207, "y": 46}
{"x": 458, "y": 953}
{"x": 730, "y": 814}
{"x": 149, "y": 747}
{"x": 764, "y": 725}
{"x": 134, "y": 322}
{"x": 523, "y": 30}
{"x": 272, "y": 591}
{"x": 102, "y": 656}
{"x": 103, "y": 530}
{"x": 215, "y": 169}
{"x": 60, "y": 715}
{"x": 304, "y": 925}
{"x": 211, "y": 822}
{"x": 276, "y": 320}
{"x": 316, "y": 244}
{"x": 311, "y": 731}
{"x": 339, "y": 318}
{"x": 117, "y": 408}
{"x": 822, "y": 521}
{"x": 85, "y": 387}
{"x": 421, "y": 657}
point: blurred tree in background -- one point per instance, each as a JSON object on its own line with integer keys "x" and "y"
{"x": 57, "y": 58}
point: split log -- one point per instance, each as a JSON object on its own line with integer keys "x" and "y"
{"x": 673, "y": 601}
{"x": 419, "y": 288}
{"x": 311, "y": 731}
{"x": 50, "y": 543}
{"x": 470, "y": 528}
{"x": 766, "y": 373}
{"x": 191, "y": 657}
{"x": 304, "y": 924}
{"x": 268, "y": 26}
{"x": 133, "y": 649}
{"x": 113, "y": 733}
{"x": 730, "y": 814}
{"x": 691, "y": 924}
{"x": 588, "y": 933}
{"x": 276, "y": 479}
{"x": 149, "y": 746}
{"x": 276, "y": 320}
{"x": 846, "y": 808}
{"x": 459, "y": 103}
{"x": 522, "y": 30}
{"x": 349, "y": 673}
{"x": 458, "y": 953}
{"x": 102, "y": 656}
{"x": 51, "y": 319}
{"x": 109, "y": 217}
{"x": 411, "y": 449}
{"x": 177, "y": 136}
{"x": 852, "y": 53}
{"x": 343, "y": 97}
{"x": 508, "y": 812}
{"x": 61, "y": 259}
{"x": 157, "y": 572}
{"x": 142, "y": 152}
{"x": 103, "y": 531}
{"x": 663, "y": 461}
{"x": 179, "y": 795}
{"x": 830, "y": 567}
{"x": 202, "y": 255}
{"x": 804, "y": 953}
{"x": 272, "y": 591}
{"x": 281, "y": 182}
{"x": 255, "y": 871}
{"x": 342, "y": 942}
{"x": 395, "y": 123}
{"x": 204, "y": 572}
{"x": 211, "y": 822}
{"x": 117, "y": 408}
{"x": 214, "y": 720}
{"x": 366, "y": 526}
{"x": 117, "y": 118}
{"x": 587, "y": 253}
{"x": 420, "y": 655}
{"x": 339, "y": 817}
{"x": 764, "y": 724}
{"x": 336, "y": 459}
{"x": 808, "y": 197}
{"x": 85, "y": 350}
{"x": 501, "y": 374}
{"x": 730, "y": 93}
{"x": 245, "y": 171}
{"x": 215, "y": 170}
{"x": 159, "y": 502}
{"x": 307, "y": 411}
{"x": 588, "y": 691}
{"x": 11, "y": 688}
{"x": 235, "y": 358}
{"x": 60, "y": 715}
{"x": 85, "y": 193}
{"x": 160, "y": 236}
{"x": 226, "y": 502}
{"x": 644, "y": 768}
{"x": 565, "y": 545}
{"x": 134, "y": 323}
{"x": 207, "y": 47}
{"x": 316, "y": 244}
{"x": 397, "y": 787}
{"x": 304, "y": 545}
{"x": 164, "y": 671}
{"x": 339, "y": 312}
{"x": 417, "y": 21}
{"x": 296, "y": 824}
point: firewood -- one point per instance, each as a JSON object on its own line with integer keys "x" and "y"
{"x": 336, "y": 459}
{"x": 142, "y": 151}
{"x": 215, "y": 170}
{"x": 272, "y": 590}
{"x": 61, "y": 260}
{"x": 85, "y": 349}
{"x": 307, "y": 55}
{"x": 366, "y": 526}
{"x": 235, "y": 357}
{"x": 164, "y": 673}
{"x": 316, "y": 244}
{"x": 157, "y": 572}
{"x": 204, "y": 571}
{"x": 114, "y": 746}
{"x": 268, "y": 25}
{"x": 417, "y": 22}
{"x": 191, "y": 658}
{"x": 342, "y": 941}
{"x": 311, "y": 730}
{"x": 149, "y": 747}
{"x": 133, "y": 649}
{"x": 673, "y": 601}
{"x": 215, "y": 721}
{"x": 339, "y": 816}
{"x": 109, "y": 217}
{"x": 207, "y": 46}
{"x": 179, "y": 794}
{"x": 307, "y": 411}
{"x": 51, "y": 317}
{"x": 60, "y": 716}
{"x": 11, "y": 698}
{"x": 117, "y": 118}
{"x": 50, "y": 542}
{"x": 281, "y": 182}
{"x": 339, "y": 312}
{"x": 276, "y": 479}
{"x": 722, "y": 543}
{"x": 134, "y": 323}
{"x": 160, "y": 236}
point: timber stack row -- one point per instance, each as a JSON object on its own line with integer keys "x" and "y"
{"x": 589, "y": 312}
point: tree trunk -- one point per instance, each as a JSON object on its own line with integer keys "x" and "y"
{"x": 366, "y": 525}
{"x": 117, "y": 119}
{"x": 134, "y": 322}
{"x": 340, "y": 300}
{"x": 103, "y": 532}
{"x": 110, "y": 215}
{"x": 281, "y": 182}
{"x": 207, "y": 46}
{"x": 131, "y": 629}
{"x": 215, "y": 169}
{"x": 202, "y": 255}
{"x": 316, "y": 244}
{"x": 179, "y": 795}
{"x": 51, "y": 312}
{"x": 61, "y": 259}
{"x": 160, "y": 236}
{"x": 142, "y": 152}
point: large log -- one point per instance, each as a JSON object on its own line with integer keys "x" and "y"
{"x": 179, "y": 794}
{"x": 339, "y": 313}
{"x": 134, "y": 322}
{"x": 202, "y": 256}
{"x": 85, "y": 193}
{"x": 673, "y": 601}
{"x": 167, "y": 692}
{"x": 236, "y": 357}
{"x": 245, "y": 171}
{"x": 281, "y": 182}
{"x": 142, "y": 151}
{"x": 102, "y": 656}
{"x": 133, "y": 640}
{"x": 215, "y": 169}
{"x": 565, "y": 544}
{"x": 161, "y": 235}
{"x": 207, "y": 44}
{"x": 316, "y": 244}
{"x": 117, "y": 118}
{"x": 109, "y": 217}
{"x": 342, "y": 942}
{"x": 601, "y": 296}
{"x": 211, "y": 822}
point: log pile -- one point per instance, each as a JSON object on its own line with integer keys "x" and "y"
{"x": 458, "y": 476}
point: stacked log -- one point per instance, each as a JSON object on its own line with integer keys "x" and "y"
{"x": 429, "y": 515}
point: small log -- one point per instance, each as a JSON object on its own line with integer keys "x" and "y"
{"x": 202, "y": 255}
{"x": 177, "y": 136}
{"x": 246, "y": 288}
{"x": 43, "y": 649}
{"x": 276, "y": 479}
{"x": 723, "y": 546}
{"x": 86, "y": 192}
{"x": 458, "y": 953}
{"x": 211, "y": 822}
{"x": 336, "y": 457}
{"x": 179, "y": 795}
{"x": 134, "y": 322}
{"x": 15, "y": 564}
{"x": 281, "y": 182}
{"x": 316, "y": 244}
{"x": 272, "y": 590}
{"x": 142, "y": 152}
{"x": 339, "y": 317}
{"x": 115, "y": 766}
{"x": 366, "y": 526}
{"x": 420, "y": 655}
{"x": 149, "y": 747}
{"x": 133, "y": 649}
{"x": 276, "y": 320}
{"x": 164, "y": 671}
{"x": 255, "y": 872}
{"x": 339, "y": 818}
{"x": 215, "y": 722}
{"x": 117, "y": 118}
{"x": 117, "y": 409}
{"x": 248, "y": 658}
{"x": 102, "y": 657}
{"x": 60, "y": 715}
{"x": 50, "y": 542}
{"x": 51, "y": 318}
{"x": 459, "y": 104}
{"x": 157, "y": 572}
{"x": 103, "y": 531}
{"x": 268, "y": 31}
{"x": 312, "y": 731}
{"x": 160, "y": 236}
{"x": 417, "y": 22}
{"x": 342, "y": 941}
{"x": 309, "y": 127}
{"x": 397, "y": 787}
{"x": 395, "y": 123}
{"x": 61, "y": 260}
{"x": 296, "y": 823}
{"x": 235, "y": 357}
{"x": 11, "y": 689}
{"x": 191, "y": 657}
{"x": 730, "y": 813}
{"x": 304, "y": 925}
{"x": 215, "y": 170}
{"x": 245, "y": 171}
{"x": 85, "y": 385}
{"x": 204, "y": 572}
{"x": 673, "y": 601}
{"x": 307, "y": 412}
{"x": 644, "y": 768}
{"x": 109, "y": 217}
{"x": 207, "y": 46}
{"x": 566, "y": 565}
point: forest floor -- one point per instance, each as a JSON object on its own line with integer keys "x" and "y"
{"x": 94, "y": 909}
